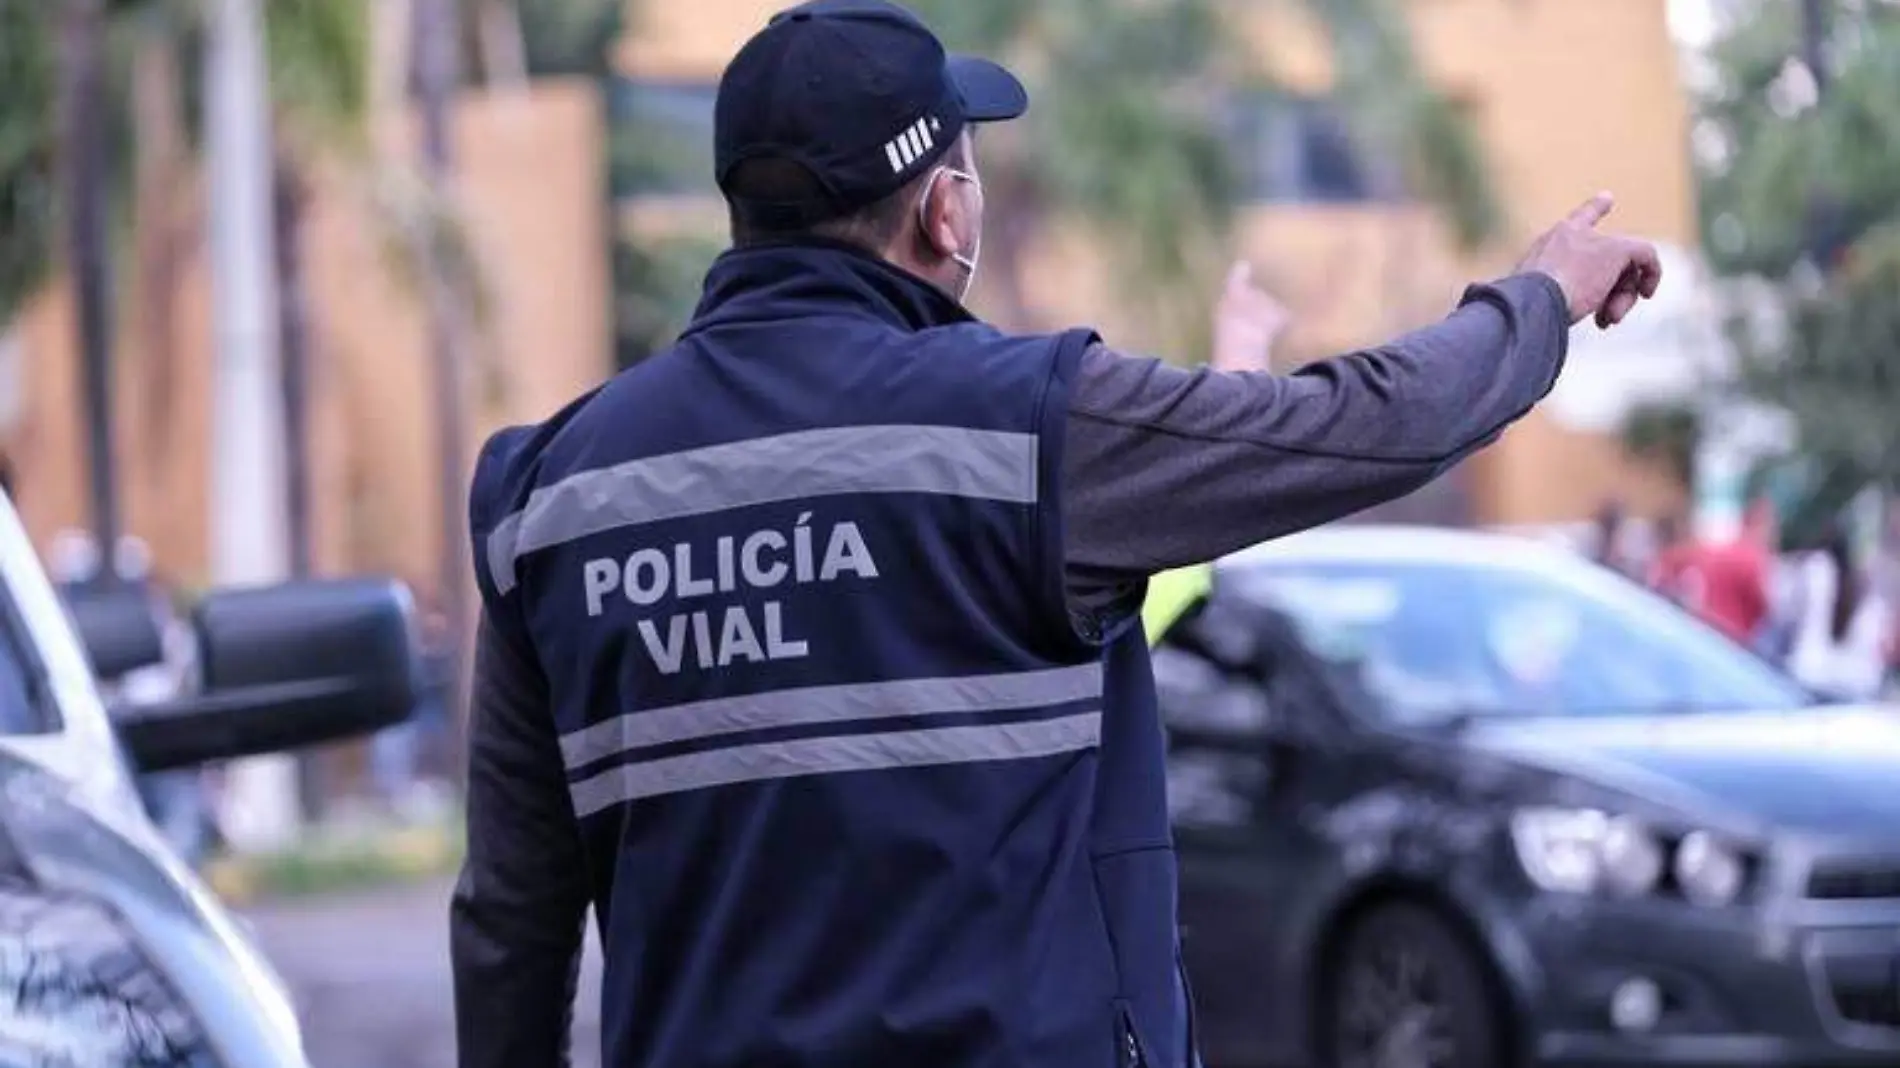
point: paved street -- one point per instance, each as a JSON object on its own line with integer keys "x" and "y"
{"x": 370, "y": 973}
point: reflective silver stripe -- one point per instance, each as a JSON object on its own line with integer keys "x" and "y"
{"x": 830, "y": 704}
{"x": 501, "y": 552}
{"x": 954, "y": 461}
{"x": 824, "y": 756}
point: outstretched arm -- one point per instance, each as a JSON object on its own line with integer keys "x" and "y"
{"x": 1166, "y": 467}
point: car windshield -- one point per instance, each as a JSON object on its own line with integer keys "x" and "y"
{"x": 1442, "y": 641}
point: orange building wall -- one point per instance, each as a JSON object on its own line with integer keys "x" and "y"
{"x": 531, "y": 176}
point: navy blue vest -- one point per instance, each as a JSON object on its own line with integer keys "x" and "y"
{"x": 855, "y": 792}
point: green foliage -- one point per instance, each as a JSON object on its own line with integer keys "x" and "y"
{"x": 656, "y": 287}
{"x": 1780, "y": 173}
{"x": 1809, "y": 493}
{"x": 1796, "y": 171}
{"x": 28, "y": 137}
{"x": 1835, "y": 364}
{"x": 571, "y": 37}
{"x": 1126, "y": 133}
{"x": 1129, "y": 91}
{"x": 659, "y": 141}
{"x": 656, "y": 282}
{"x": 1122, "y": 136}
{"x": 319, "y": 55}
{"x": 1397, "y": 115}
{"x": 1666, "y": 433}
{"x": 332, "y": 861}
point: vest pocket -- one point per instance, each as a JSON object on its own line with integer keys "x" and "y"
{"x": 1128, "y": 1048}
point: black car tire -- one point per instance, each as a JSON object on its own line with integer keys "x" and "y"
{"x": 1403, "y": 988}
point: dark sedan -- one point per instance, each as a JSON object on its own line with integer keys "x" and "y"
{"x": 1466, "y": 800}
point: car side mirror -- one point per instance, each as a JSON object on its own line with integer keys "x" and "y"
{"x": 284, "y": 667}
{"x": 117, "y": 626}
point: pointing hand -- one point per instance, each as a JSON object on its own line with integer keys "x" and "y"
{"x": 1601, "y": 275}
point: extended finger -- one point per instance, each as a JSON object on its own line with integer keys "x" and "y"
{"x": 1621, "y": 301}
{"x": 1620, "y": 304}
{"x": 1592, "y": 211}
{"x": 1648, "y": 265}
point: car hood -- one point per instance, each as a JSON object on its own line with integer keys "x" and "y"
{"x": 72, "y": 846}
{"x": 1825, "y": 771}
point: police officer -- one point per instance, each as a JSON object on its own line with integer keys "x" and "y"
{"x": 810, "y": 655}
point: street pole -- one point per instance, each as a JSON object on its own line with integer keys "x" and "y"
{"x": 84, "y": 137}
{"x": 436, "y": 44}
{"x": 249, "y": 535}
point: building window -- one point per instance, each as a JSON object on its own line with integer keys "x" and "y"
{"x": 1296, "y": 149}
{"x": 662, "y": 137}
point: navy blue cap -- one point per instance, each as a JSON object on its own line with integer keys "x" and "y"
{"x": 860, "y": 94}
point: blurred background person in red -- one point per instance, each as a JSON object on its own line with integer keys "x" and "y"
{"x": 1727, "y": 582}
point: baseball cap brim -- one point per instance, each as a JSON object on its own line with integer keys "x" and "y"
{"x": 989, "y": 92}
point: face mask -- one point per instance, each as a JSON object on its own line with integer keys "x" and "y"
{"x": 969, "y": 262}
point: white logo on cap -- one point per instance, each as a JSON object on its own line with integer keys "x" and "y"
{"x": 908, "y": 147}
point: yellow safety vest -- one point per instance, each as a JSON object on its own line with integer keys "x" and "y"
{"x": 1171, "y": 594}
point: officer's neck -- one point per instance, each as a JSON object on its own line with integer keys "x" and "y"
{"x": 821, "y": 274}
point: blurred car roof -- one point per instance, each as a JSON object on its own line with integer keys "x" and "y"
{"x": 1410, "y": 544}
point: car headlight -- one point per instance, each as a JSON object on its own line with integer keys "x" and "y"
{"x": 1581, "y": 851}
{"x": 1708, "y": 872}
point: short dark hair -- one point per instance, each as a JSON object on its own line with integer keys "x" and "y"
{"x": 872, "y": 227}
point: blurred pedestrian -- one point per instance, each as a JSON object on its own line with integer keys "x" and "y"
{"x": 1886, "y": 570}
{"x": 1844, "y": 633}
{"x": 1728, "y": 582}
{"x": 810, "y": 653}
{"x": 1609, "y": 544}
{"x": 1662, "y": 572}
{"x": 397, "y": 753}
{"x": 1787, "y": 589}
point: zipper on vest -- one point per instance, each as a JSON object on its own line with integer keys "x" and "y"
{"x": 1127, "y": 1044}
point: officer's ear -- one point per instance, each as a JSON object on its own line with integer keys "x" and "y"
{"x": 940, "y": 215}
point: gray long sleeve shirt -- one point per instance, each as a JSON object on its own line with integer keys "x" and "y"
{"x": 1163, "y": 467}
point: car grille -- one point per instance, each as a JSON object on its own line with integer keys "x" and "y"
{"x": 1855, "y": 882}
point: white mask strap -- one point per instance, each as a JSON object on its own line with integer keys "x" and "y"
{"x": 967, "y": 262}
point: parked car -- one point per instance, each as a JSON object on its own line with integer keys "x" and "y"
{"x": 112, "y": 953}
{"x": 1464, "y": 800}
